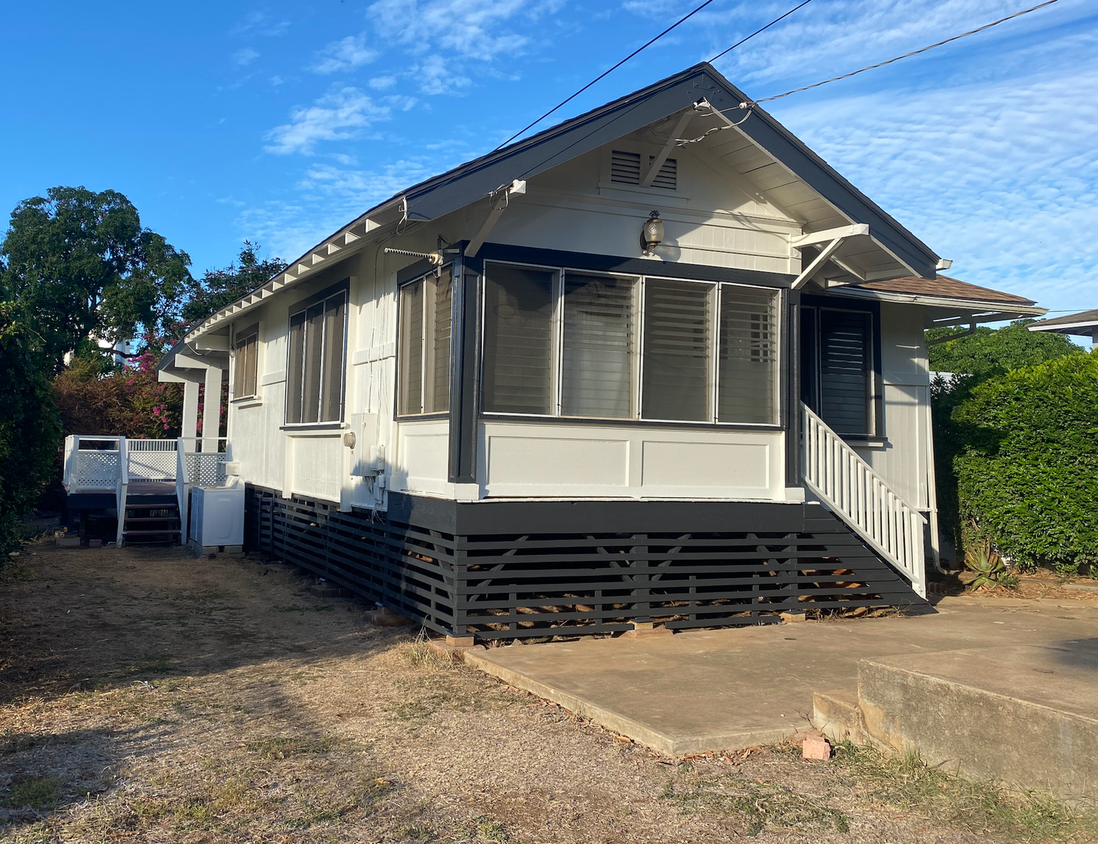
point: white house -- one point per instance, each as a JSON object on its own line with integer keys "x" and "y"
{"x": 515, "y": 400}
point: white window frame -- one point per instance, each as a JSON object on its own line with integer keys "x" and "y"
{"x": 321, "y": 298}
{"x": 424, "y": 339}
{"x": 250, "y": 333}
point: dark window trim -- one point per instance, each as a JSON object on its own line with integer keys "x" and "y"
{"x": 481, "y": 262}
{"x": 312, "y": 426}
{"x": 559, "y": 259}
{"x": 879, "y": 434}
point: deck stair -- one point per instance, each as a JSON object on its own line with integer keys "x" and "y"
{"x": 151, "y": 515}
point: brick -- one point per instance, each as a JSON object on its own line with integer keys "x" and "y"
{"x": 68, "y": 541}
{"x": 460, "y": 641}
{"x": 816, "y": 747}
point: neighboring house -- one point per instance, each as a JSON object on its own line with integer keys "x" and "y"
{"x": 506, "y": 403}
{"x": 1083, "y": 324}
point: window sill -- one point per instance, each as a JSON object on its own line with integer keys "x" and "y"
{"x": 247, "y": 401}
{"x": 313, "y": 428}
{"x": 866, "y": 442}
{"x": 622, "y": 422}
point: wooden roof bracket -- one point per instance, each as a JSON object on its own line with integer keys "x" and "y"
{"x": 657, "y": 162}
{"x": 833, "y": 238}
{"x": 500, "y": 199}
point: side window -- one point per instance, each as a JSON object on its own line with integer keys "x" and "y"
{"x": 315, "y": 373}
{"x": 424, "y": 347}
{"x": 518, "y": 339}
{"x": 245, "y": 364}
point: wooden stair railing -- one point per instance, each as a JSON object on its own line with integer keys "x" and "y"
{"x": 849, "y": 487}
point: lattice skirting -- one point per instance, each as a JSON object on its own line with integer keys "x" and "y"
{"x": 503, "y": 570}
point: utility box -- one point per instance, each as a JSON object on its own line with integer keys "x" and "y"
{"x": 217, "y": 515}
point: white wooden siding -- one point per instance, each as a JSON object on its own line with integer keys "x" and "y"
{"x": 534, "y": 459}
{"x": 902, "y": 459}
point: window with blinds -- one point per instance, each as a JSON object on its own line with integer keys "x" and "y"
{"x": 518, "y": 339}
{"x": 597, "y": 358}
{"x": 594, "y": 345}
{"x": 314, "y": 382}
{"x": 424, "y": 344}
{"x": 245, "y": 364}
{"x": 747, "y": 362}
{"x": 677, "y": 350}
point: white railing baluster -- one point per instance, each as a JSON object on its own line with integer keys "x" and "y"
{"x": 850, "y": 488}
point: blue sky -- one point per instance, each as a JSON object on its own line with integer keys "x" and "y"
{"x": 280, "y": 122}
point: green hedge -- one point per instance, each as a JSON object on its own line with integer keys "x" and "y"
{"x": 1027, "y": 462}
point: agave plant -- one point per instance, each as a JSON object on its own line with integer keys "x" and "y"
{"x": 988, "y": 565}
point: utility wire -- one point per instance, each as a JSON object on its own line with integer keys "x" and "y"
{"x": 757, "y": 31}
{"x": 904, "y": 56}
{"x": 607, "y": 73}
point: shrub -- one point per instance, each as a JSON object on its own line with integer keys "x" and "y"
{"x": 1027, "y": 466}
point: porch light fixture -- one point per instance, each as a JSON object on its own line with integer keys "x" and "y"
{"x": 652, "y": 233}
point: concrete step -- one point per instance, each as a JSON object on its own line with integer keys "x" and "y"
{"x": 838, "y": 716}
{"x": 1026, "y": 716}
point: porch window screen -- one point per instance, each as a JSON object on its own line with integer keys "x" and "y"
{"x": 245, "y": 364}
{"x": 597, "y": 364}
{"x": 424, "y": 352}
{"x": 518, "y": 339}
{"x": 747, "y": 364}
{"x": 846, "y": 366}
{"x": 314, "y": 382}
{"x": 677, "y": 344}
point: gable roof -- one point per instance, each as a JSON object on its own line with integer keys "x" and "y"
{"x": 948, "y": 301}
{"x": 946, "y": 288}
{"x": 1086, "y": 323}
{"x": 777, "y": 161}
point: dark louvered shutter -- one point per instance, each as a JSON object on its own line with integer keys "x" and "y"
{"x": 845, "y": 369}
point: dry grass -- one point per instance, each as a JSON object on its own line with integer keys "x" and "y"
{"x": 148, "y": 696}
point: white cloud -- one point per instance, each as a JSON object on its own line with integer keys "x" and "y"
{"x": 382, "y": 83}
{"x": 999, "y": 174}
{"x": 276, "y": 81}
{"x": 261, "y": 23}
{"x": 245, "y": 57}
{"x": 436, "y": 76}
{"x": 346, "y": 54}
{"x": 338, "y": 116}
{"x": 469, "y": 28}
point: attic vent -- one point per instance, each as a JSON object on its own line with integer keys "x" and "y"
{"x": 625, "y": 169}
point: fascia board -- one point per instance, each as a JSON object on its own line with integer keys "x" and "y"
{"x": 783, "y": 145}
{"x": 1008, "y": 311}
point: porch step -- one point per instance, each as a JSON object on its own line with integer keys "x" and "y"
{"x": 149, "y": 519}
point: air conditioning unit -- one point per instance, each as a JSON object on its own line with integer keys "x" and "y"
{"x": 217, "y": 515}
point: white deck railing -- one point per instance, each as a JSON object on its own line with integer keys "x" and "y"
{"x": 849, "y": 487}
{"x": 111, "y": 464}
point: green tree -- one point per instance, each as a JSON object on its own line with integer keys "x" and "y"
{"x": 1027, "y": 469}
{"x": 29, "y": 427}
{"x": 79, "y": 263}
{"x": 219, "y": 288}
{"x": 994, "y": 351}
{"x": 977, "y": 358}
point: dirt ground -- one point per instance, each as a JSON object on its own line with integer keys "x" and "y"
{"x": 146, "y": 695}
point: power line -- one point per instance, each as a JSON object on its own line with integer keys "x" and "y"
{"x": 905, "y": 55}
{"x": 607, "y": 73}
{"x": 757, "y": 31}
